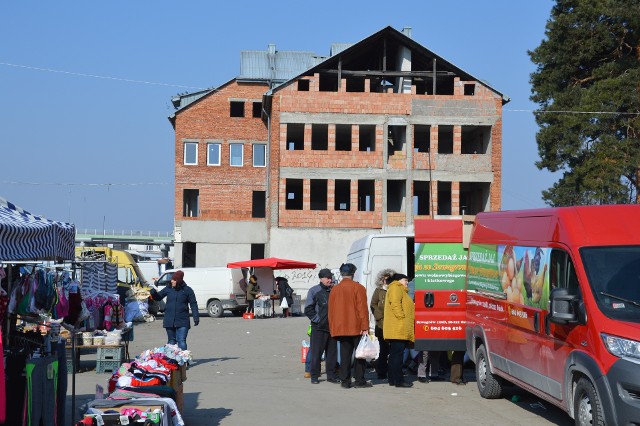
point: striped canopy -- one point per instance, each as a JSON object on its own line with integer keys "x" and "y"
{"x": 24, "y": 236}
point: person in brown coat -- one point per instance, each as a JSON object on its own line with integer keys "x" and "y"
{"x": 377, "y": 309}
{"x": 348, "y": 321}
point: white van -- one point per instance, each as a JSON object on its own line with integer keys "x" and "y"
{"x": 217, "y": 289}
{"x": 376, "y": 252}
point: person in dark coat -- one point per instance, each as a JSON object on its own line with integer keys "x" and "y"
{"x": 286, "y": 292}
{"x": 176, "y": 314}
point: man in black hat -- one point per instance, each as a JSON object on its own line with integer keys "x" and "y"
{"x": 317, "y": 309}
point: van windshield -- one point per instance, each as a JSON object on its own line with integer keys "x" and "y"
{"x": 614, "y": 275}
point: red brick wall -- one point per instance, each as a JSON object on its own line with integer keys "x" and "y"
{"x": 225, "y": 191}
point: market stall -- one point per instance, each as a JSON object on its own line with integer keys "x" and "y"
{"x": 34, "y": 347}
{"x": 263, "y": 269}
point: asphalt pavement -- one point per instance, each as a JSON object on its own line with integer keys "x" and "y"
{"x": 249, "y": 372}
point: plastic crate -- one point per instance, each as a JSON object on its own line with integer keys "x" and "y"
{"x": 107, "y": 353}
{"x": 110, "y": 366}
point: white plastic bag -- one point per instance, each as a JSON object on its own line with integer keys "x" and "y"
{"x": 368, "y": 348}
{"x": 284, "y": 304}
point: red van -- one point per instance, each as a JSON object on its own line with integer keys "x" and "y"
{"x": 553, "y": 306}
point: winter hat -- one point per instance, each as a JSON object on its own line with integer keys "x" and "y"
{"x": 325, "y": 273}
{"x": 178, "y": 276}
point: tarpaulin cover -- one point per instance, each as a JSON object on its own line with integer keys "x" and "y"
{"x": 273, "y": 263}
{"x": 24, "y": 236}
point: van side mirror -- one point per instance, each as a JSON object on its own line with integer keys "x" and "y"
{"x": 563, "y": 307}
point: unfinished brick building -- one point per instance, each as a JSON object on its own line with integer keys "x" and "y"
{"x": 300, "y": 155}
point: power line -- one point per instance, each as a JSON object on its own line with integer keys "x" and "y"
{"x": 83, "y": 184}
{"x": 128, "y": 80}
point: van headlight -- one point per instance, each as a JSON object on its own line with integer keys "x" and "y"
{"x": 622, "y": 348}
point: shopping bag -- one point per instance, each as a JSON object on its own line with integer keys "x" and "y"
{"x": 284, "y": 304}
{"x": 368, "y": 348}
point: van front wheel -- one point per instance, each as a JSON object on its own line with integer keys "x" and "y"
{"x": 215, "y": 309}
{"x": 490, "y": 386}
{"x": 587, "y": 408}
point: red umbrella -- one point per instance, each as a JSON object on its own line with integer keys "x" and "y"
{"x": 273, "y": 263}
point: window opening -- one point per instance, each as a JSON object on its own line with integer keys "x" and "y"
{"x": 444, "y": 198}
{"x": 188, "y": 254}
{"x": 475, "y": 139}
{"x": 421, "y": 138}
{"x": 367, "y": 137}
{"x": 366, "y": 195}
{"x": 320, "y": 137}
{"x": 303, "y": 85}
{"x": 343, "y": 137}
{"x": 421, "y": 200}
{"x": 295, "y": 137}
{"x": 396, "y": 137}
{"x": 469, "y": 89}
{"x": 257, "y": 251}
{"x": 236, "y": 109}
{"x": 355, "y": 84}
{"x": 293, "y": 190}
{"x": 445, "y": 139}
{"x": 258, "y": 204}
{"x": 190, "y": 201}
{"x": 328, "y": 83}
{"x": 257, "y": 110}
{"x": 396, "y": 192}
{"x": 474, "y": 197}
{"x": 342, "y": 195}
{"x": 318, "y": 196}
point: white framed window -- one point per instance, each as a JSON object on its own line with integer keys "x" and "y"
{"x": 259, "y": 155}
{"x": 191, "y": 153}
{"x": 213, "y": 154}
{"x": 236, "y": 154}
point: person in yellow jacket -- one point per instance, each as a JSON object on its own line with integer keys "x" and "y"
{"x": 399, "y": 313}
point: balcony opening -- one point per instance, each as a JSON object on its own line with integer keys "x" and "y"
{"x": 303, "y": 85}
{"x": 396, "y": 138}
{"x": 295, "y": 137}
{"x": 293, "y": 190}
{"x": 424, "y": 86}
{"x": 475, "y": 139}
{"x": 320, "y": 137}
{"x": 366, "y": 195}
{"x": 318, "y": 195}
{"x": 258, "y": 204}
{"x": 421, "y": 138}
{"x": 343, "y": 137}
{"x": 474, "y": 197}
{"x": 444, "y": 198}
{"x": 342, "y": 195}
{"x": 236, "y": 109}
{"x": 396, "y": 193}
{"x": 367, "y": 137}
{"x": 421, "y": 199}
{"x": 190, "y": 201}
{"x": 445, "y": 139}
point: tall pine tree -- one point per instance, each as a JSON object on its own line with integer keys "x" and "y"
{"x": 587, "y": 84}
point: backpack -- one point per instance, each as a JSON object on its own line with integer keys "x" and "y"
{"x": 288, "y": 292}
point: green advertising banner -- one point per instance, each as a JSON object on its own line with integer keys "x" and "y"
{"x": 440, "y": 266}
{"x": 483, "y": 268}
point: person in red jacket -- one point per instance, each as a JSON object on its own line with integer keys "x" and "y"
{"x": 348, "y": 322}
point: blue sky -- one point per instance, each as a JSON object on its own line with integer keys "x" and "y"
{"x": 103, "y": 119}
